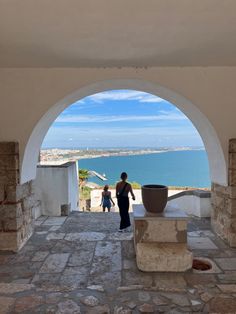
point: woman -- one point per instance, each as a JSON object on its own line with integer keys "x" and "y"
{"x": 106, "y": 199}
{"x": 123, "y": 188}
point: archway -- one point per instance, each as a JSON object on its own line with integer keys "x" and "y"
{"x": 212, "y": 144}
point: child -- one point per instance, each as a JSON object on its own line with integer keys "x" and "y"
{"x": 106, "y": 199}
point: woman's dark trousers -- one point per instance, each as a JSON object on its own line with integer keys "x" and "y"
{"x": 123, "y": 203}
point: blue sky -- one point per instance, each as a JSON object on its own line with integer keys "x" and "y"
{"x": 121, "y": 118}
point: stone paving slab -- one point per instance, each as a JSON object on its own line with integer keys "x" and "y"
{"x": 55, "y": 263}
{"x": 74, "y": 281}
{"x": 11, "y": 288}
{"x": 227, "y": 277}
{"x": 5, "y": 304}
{"x": 68, "y": 306}
{"x": 63, "y": 246}
{"x": 201, "y": 233}
{"x": 85, "y": 236}
{"x": 54, "y": 228}
{"x": 177, "y": 298}
{"x": 119, "y": 236}
{"x": 84, "y": 256}
{"x": 222, "y": 304}
{"x": 81, "y": 259}
{"x": 200, "y": 243}
{"x": 199, "y": 279}
{"x": 54, "y": 221}
{"x": 40, "y": 256}
{"x": 109, "y": 280}
{"x": 40, "y": 279}
{"x": 80, "y": 264}
{"x": 227, "y": 288}
{"x": 55, "y": 236}
{"x": 131, "y": 277}
{"x": 169, "y": 281}
{"x": 41, "y": 232}
{"x": 228, "y": 263}
{"x": 27, "y": 303}
{"x": 40, "y": 220}
{"x": 129, "y": 264}
{"x": 107, "y": 257}
{"x": 106, "y": 265}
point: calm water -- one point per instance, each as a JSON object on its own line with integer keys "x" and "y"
{"x": 180, "y": 168}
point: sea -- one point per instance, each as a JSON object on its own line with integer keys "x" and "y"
{"x": 187, "y": 168}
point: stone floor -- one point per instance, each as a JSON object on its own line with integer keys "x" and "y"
{"x": 81, "y": 264}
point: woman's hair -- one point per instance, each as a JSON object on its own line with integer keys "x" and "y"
{"x": 123, "y": 175}
{"x": 106, "y": 187}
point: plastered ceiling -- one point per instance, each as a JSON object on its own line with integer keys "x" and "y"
{"x": 117, "y": 33}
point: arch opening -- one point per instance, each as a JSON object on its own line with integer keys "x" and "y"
{"x": 217, "y": 165}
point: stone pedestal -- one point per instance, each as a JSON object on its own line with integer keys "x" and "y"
{"x": 161, "y": 240}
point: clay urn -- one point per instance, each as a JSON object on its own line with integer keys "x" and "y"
{"x": 154, "y": 197}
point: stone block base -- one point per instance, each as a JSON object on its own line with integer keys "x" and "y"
{"x": 161, "y": 240}
{"x": 148, "y": 230}
{"x": 166, "y": 257}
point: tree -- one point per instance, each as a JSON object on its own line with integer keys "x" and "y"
{"x": 83, "y": 176}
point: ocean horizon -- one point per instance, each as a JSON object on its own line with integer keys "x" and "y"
{"x": 185, "y": 168}
{"x": 123, "y": 147}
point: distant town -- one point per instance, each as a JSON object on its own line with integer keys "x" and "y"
{"x": 59, "y": 155}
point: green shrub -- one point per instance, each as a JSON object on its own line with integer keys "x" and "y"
{"x": 85, "y": 193}
{"x": 135, "y": 185}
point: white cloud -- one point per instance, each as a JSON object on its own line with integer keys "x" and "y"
{"x": 81, "y": 104}
{"x": 151, "y": 98}
{"x": 81, "y": 101}
{"x": 121, "y": 136}
{"x": 125, "y": 95}
{"x": 77, "y": 132}
{"x": 165, "y": 115}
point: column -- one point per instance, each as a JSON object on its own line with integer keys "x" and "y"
{"x": 17, "y": 201}
{"x": 223, "y": 200}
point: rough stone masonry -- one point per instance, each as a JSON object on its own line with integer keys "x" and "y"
{"x": 223, "y": 218}
{"x": 17, "y": 201}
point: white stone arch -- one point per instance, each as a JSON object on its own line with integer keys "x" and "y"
{"x": 217, "y": 163}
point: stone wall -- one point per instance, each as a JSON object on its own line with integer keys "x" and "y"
{"x": 224, "y": 202}
{"x": 17, "y": 202}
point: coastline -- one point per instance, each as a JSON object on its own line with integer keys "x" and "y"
{"x": 58, "y": 155}
{"x": 183, "y": 175}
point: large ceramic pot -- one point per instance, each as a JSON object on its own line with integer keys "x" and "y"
{"x": 154, "y": 197}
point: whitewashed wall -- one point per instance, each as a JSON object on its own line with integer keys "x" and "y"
{"x": 58, "y": 186}
{"x": 199, "y": 92}
{"x": 191, "y": 204}
{"x": 96, "y": 196}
